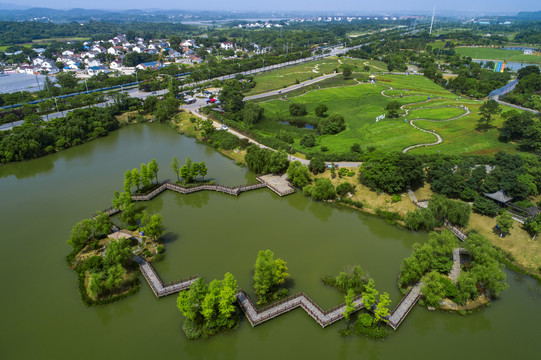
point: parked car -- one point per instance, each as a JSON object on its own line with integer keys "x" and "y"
{"x": 224, "y": 127}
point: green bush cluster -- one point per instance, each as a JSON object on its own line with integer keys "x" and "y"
{"x": 355, "y": 279}
{"x": 323, "y": 189}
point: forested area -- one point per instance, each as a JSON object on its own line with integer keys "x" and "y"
{"x": 431, "y": 262}
{"x": 518, "y": 176}
{"x": 527, "y": 92}
{"x": 15, "y": 32}
{"x": 37, "y": 137}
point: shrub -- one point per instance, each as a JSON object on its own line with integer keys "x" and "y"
{"x": 396, "y": 198}
{"x": 287, "y": 138}
{"x": 332, "y": 125}
{"x": 420, "y": 219}
{"x": 308, "y": 140}
{"x": 160, "y": 249}
{"x": 365, "y": 320}
{"x": 323, "y": 189}
{"x": 223, "y": 140}
{"x": 355, "y": 279}
{"x": 298, "y": 174}
{"x": 485, "y": 206}
{"x": 344, "y": 188}
{"x": 317, "y": 165}
{"x": 348, "y": 201}
{"x": 389, "y": 216}
{"x": 321, "y": 109}
{"x": 296, "y": 109}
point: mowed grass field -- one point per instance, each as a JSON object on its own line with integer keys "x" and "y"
{"x": 497, "y": 54}
{"x": 462, "y": 136}
{"x": 278, "y": 79}
{"x": 360, "y": 105}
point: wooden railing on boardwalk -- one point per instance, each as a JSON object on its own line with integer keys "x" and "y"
{"x": 156, "y": 283}
{"x": 404, "y": 306}
{"x": 208, "y": 187}
{"x": 255, "y": 316}
{"x": 323, "y": 318}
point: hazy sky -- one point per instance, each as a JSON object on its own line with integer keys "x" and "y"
{"x": 347, "y": 6}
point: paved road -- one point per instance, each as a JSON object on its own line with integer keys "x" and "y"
{"x": 291, "y": 88}
{"x": 134, "y": 92}
{"x": 195, "y": 109}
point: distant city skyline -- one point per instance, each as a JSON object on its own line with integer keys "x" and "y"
{"x": 345, "y": 6}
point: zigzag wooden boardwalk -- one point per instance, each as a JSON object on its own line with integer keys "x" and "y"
{"x": 283, "y": 189}
{"x": 156, "y": 284}
{"x": 323, "y": 318}
{"x": 404, "y": 306}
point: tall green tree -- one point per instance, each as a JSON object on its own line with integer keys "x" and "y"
{"x": 145, "y": 176}
{"x": 348, "y": 70}
{"x": 369, "y": 294}
{"x": 488, "y": 110}
{"x": 127, "y": 181}
{"x": 153, "y": 169}
{"x": 152, "y": 225}
{"x": 203, "y": 169}
{"x": 226, "y": 306}
{"x": 298, "y": 174}
{"x": 101, "y": 223}
{"x": 382, "y": 308}
{"x": 175, "y": 167}
{"x": 136, "y": 178}
{"x": 505, "y": 223}
{"x": 186, "y": 170}
{"x": 350, "y": 307}
{"x": 321, "y": 109}
{"x": 268, "y": 275}
{"x": 392, "y": 108}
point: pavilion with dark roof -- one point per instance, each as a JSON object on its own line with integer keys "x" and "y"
{"x": 500, "y": 197}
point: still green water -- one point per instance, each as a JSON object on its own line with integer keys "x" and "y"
{"x": 208, "y": 234}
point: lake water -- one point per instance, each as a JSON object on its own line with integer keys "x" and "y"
{"x": 209, "y": 234}
{"x": 299, "y": 125}
{"x": 515, "y": 66}
{"x": 21, "y": 82}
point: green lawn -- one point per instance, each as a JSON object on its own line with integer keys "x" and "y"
{"x": 360, "y": 105}
{"x": 497, "y": 54}
{"x": 281, "y": 78}
{"x": 443, "y": 113}
{"x": 462, "y": 137}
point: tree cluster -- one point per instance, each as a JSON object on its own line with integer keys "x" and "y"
{"x": 142, "y": 179}
{"x": 269, "y": 276}
{"x": 518, "y": 176}
{"x": 355, "y": 280}
{"x": 210, "y": 308}
{"x": 523, "y": 128}
{"x": 263, "y": 161}
{"x": 528, "y": 90}
{"x": 190, "y": 170}
{"x": 36, "y": 137}
{"x": 391, "y": 172}
{"x": 323, "y": 189}
{"x": 298, "y": 174}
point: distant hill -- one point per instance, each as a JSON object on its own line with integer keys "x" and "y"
{"x": 531, "y": 15}
{"x": 6, "y": 6}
